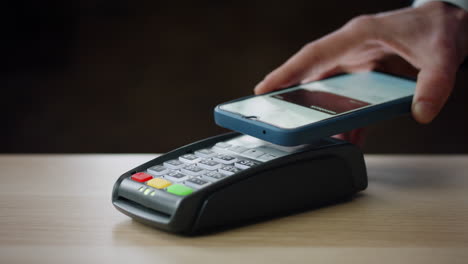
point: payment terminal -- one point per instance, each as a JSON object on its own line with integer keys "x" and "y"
{"x": 232, "y": 179}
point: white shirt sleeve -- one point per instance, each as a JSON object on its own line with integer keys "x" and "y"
{"x": 460, "y": 3}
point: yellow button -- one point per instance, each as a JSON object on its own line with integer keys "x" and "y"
{"x": 158, "y": 183}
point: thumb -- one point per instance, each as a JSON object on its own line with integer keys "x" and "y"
{"x": 432, "y": 91}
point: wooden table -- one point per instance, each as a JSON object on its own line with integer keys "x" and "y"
{"x": 57, "y": 209}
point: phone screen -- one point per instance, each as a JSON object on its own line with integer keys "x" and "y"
{"x": 320, "y": 100}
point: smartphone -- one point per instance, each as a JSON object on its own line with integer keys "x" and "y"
{"x": 307, "y": 112}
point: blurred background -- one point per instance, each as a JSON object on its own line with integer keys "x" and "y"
{"x": 144, "y": 76}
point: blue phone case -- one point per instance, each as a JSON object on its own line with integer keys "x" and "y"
{"x": 314, "y": 131}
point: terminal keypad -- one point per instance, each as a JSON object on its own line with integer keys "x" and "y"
{"x": 193, "y": 171}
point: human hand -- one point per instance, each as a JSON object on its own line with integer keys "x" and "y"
{"x": 432, "y": 38}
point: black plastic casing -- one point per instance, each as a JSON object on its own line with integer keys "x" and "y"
{"x": 328, "y": 171}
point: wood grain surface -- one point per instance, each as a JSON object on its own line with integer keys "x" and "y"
{"x": 57, "y": 209}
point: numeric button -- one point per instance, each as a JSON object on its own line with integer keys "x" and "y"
{"x": 225, "y": 159}
{"x": 173, "y": 164}
{"x": 229, "y": 170}
{"x": 209, "y": 164}
{"x": 196, "y": 183}
{"x": 189, "y": 158}
{"x": 158, "y": 170}
{"x": 176, "y": 176}
{"x": 193, "y": 170}
{"x": 245, "y": 164}
{"x": 213, "y": 176}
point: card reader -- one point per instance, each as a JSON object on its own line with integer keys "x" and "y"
{"x": 233, "y": 178}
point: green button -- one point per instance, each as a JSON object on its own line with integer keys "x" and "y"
{"x": 179, "y": 189}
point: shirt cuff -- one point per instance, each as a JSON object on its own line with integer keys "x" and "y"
{"x": 460, "y": 3}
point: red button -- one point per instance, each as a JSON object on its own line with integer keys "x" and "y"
{"x": 141, "y": 177}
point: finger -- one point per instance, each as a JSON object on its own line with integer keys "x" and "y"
{"x": 356, "y": 136}
{"x": 432, "y": 91}
{"x": 313, "y": 60}
{"x": 397, "y": 66}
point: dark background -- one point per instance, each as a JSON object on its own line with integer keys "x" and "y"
{"x": 144, "y": 76}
